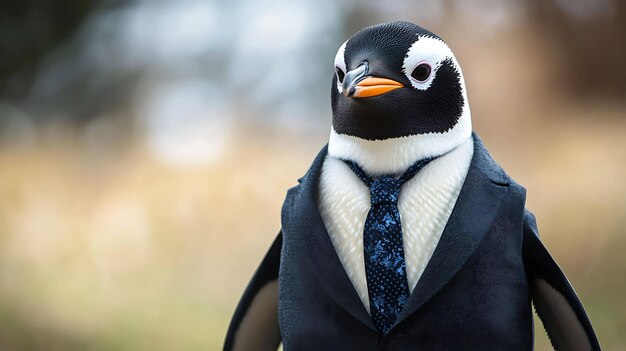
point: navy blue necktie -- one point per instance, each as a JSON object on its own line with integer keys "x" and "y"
{"x": 385, "y": 267}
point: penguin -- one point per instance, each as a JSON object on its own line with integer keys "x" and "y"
{"x": 469, "y": 262}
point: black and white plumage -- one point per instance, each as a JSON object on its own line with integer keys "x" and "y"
{"x": 474, "y": 259}
{"x": 387, "y": 133}
{"x": 421, "y": 119}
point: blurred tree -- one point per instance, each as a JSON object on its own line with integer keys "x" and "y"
{"x": 35, "y": 35}
{"x": 82, "y": 59}
{"x": 28, "y": 31}
{"x": 589, "y": 38}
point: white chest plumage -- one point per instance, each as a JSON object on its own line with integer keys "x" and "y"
{"x": 425, "y": 204}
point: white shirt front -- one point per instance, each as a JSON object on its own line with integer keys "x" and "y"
{"x": 425, "y": 204}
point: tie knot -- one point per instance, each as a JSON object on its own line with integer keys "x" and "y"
{"x": 385, "y": 189}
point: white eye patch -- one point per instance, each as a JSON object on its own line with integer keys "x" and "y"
{"x": 426, "y": 50}
{"x": 340, "y": 62}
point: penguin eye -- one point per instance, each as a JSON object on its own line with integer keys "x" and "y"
{"x": 340, "y": 74}
{"x": 421, "y": 72}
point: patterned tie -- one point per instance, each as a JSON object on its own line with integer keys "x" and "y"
{"x": 385, "y": 268}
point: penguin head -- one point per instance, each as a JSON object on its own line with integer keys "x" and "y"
{"x": 397, "y": 90}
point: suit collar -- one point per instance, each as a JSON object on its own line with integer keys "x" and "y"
{"x": 321, "y": 255}
{"x": 475, "y": 209}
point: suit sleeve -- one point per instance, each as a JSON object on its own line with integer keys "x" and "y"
{"x": 561, "y": 312}
{"x": 254, "y": 325}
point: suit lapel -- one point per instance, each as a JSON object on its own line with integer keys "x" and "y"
{"x": 475, "y": 209}
{"x": 320, "y": 253}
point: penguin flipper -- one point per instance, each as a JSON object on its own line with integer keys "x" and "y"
{"x": 561, "y": 312}
{"x": 254, "y": 325}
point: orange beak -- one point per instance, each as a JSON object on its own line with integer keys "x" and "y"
{"x": 357, "y": 83}
{"x": 374, "y": 86}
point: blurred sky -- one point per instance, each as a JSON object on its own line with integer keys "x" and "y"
{"x": 181, "y": 74}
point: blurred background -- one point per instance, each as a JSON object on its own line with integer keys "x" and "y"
{"x": 134, "y": 136}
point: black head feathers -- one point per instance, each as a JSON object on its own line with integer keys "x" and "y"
{"x": 394, "y": 80}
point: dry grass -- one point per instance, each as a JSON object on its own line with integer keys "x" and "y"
{"x": 134, "y": 255}
{"x": 131, "y": 254}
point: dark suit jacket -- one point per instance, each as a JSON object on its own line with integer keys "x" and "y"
{"x": 475, "y": 293}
